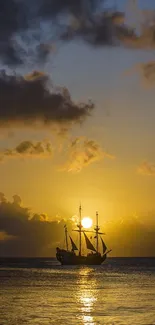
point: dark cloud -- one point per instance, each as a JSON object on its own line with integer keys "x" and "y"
{"x": 28, "y": 28}
{"x": 106, "y": 28}
{"x": 43, "y": 50}
{"x": 21, "y": 25}
{"x": 77, "y": 8}
{"x": 24, "y": 234}
{"x": 5, "y": 237}
{"x": 12, "y": 20}
{"x": 33, "y": 99}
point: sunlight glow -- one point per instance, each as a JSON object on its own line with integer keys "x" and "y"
{"x": 87, "y": 296}
{"x": 87, "y": 222}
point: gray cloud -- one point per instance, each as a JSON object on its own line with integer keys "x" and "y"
{"x": 33, "y": 99}
{"x": 22, "y": 26}
{"x": 11, "y": 20}
{"x": 28, "y": 28}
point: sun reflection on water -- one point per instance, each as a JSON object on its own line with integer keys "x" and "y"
{"x": 88, "y": 320}
{"x": 87, "y": 296}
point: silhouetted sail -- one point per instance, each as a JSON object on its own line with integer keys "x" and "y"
{"x": 89, "y": 244}
{"x": 69, "y": 256}
{"x": 74, "y": 247}
{"x": 103, "y": 246}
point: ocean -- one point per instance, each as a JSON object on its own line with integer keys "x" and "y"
{"x": 41, "y": 292}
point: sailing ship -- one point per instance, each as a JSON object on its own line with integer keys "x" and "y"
{"x": 69, "y": 257}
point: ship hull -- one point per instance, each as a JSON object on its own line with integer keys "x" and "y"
{"x": 68, "y": 258}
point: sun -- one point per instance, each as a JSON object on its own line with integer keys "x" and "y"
{"x": 87, "y": 222}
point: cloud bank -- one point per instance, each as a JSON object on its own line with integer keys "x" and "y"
{"x": 24, "y": 234}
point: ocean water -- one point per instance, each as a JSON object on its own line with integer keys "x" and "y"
{"x": 39, "y": 291}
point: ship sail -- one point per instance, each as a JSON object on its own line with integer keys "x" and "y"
{"x": 69, "y": 256}
{"x": 89, "y": 244}
{"x": 103, "y": 246}
{"x": 74, "y": 247}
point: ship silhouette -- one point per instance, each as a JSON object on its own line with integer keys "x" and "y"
{"x": 95, "y": 257}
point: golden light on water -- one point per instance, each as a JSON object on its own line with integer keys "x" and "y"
{"x": 87, "y": 305}
{"x": 87, "y": 222}
{"x": 87, "y": 297}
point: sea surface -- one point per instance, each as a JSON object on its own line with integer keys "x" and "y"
{"x": 41, "y": 292}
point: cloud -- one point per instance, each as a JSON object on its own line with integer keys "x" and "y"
{"x": 25, "y": 234}
{"x": 29, "y": 28}
{"x": 32, "y": 100}
{"x": 17, "y": 200}
{"x": 110, "y": 27}
{"x": 10, "y": 23}
{"x": 79, "y": 153}
{"x": 102, "y": 29}
{"x": 40, "y": 217}
{"x": 145, "y": 40}
{"x": 5, "y": 237}
{"x": 2, "y": 197}
{"x": 29, "y": 149}
{"x": 147, "y": 168}
{"x": 82, "y": 152}
{"x": 76, "y": 7}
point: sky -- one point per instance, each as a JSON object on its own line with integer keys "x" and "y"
{"x": 54, "y": 155}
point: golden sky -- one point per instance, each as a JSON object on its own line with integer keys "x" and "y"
{"x": 77, "y": 120}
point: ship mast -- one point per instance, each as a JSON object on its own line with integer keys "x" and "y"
{"x": 97, "y": 231}
{"x": 80, "y": 230}
{"x": 66, "y": 237}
